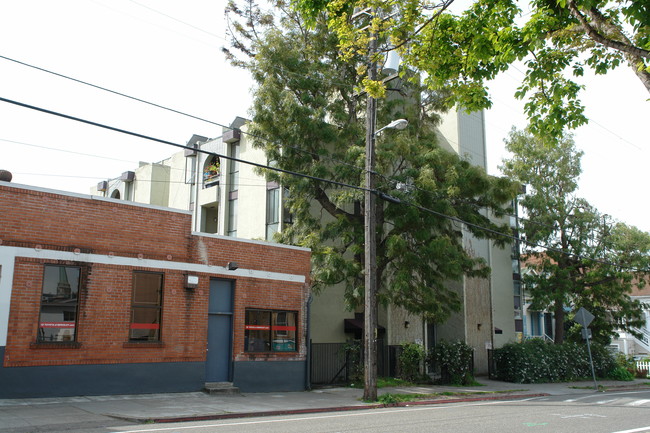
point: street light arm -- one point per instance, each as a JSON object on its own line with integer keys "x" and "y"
{"x": 395, "y": 124}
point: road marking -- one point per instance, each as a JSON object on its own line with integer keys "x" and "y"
{"x": 638, "y": 402}
{"x": 606, "y": 401}
{"x": 373, "y": 412}
{"x": 583, "y": 416}
{"x": 634, "y": 430}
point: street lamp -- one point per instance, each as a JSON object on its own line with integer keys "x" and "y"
{"x": 395, "y": 124}
{"x": 370, "y": 223}
{"x": 370, "y": 250}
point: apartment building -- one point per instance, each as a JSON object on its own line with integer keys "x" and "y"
{"x": 227, "y": 197}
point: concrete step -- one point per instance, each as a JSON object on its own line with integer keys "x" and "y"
{"x": 220, "y": 388}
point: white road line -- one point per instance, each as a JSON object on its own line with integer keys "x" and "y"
{"x": 634, "y": 430}
{"x": 638, "y": 402}
{"x": 374, "y": 412}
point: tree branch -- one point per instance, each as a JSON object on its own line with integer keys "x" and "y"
{"x": 330, "y": 207}
{"x": 592, "y": 33}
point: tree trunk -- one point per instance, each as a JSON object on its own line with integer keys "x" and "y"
{"x": 559, "y": 322}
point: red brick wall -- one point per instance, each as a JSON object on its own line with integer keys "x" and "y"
{"x": 104, "y": 319}
{"x": 103, "y": 226}
{"x": 250, "y": 255}
{"x": 55, "y": 221}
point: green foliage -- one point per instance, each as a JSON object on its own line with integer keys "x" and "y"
{"x": 590, "y": 261}
{"x": 464, "y": 49}
{"x": 352, "y": 352}
{"x": 621, "y": 373}
{"x": 383, "y": 382}
{"x": 391, "y": 399}
{"x": 536, "y": 361}
{"x": 410, "y": 359}
{"x": 302, "y": 81}
{"x": 454, "y": 361}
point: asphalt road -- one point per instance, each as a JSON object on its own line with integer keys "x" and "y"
{"x": 622, "y": 412}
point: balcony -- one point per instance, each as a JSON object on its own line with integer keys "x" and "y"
{"x": 209, "y": 196}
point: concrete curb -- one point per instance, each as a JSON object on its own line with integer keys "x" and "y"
{"x": 331, "y": 409}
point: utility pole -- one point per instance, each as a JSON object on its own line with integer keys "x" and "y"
{"x": 370, "y": 220}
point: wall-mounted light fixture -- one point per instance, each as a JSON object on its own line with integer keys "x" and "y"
{"x": 231, "y": 266}
{"x": 191, "y": 281}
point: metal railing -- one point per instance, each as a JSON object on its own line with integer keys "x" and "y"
{"x": 335, "y": 363}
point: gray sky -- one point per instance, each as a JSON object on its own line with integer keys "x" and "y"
{"x": 168, "y": 52}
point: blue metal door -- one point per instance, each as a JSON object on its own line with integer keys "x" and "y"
{"x": 219, "y": 360}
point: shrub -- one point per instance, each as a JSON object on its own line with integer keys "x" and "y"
{"x": 410, "y": 361}
{"x": 535, "y": 361}
{"x": 353, "y": 359}
{"x": 620, "y": 373}
{"x": 454, "y": 360}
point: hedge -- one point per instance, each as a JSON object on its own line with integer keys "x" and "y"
{"x": 536, "y": 361}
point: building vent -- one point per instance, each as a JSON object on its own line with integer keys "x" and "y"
{"x": 5, "y": 176}
{"x": 128, "y": 176}
{"x": 231, "y": 136}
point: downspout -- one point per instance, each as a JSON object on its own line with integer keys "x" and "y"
{"x": 308, "y": 345}
{"x": 197, "y": 184}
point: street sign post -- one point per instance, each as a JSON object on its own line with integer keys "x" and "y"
{"x": 584, "y": 318}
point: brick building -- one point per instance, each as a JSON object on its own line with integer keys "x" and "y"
{"x": 102, "y": 296}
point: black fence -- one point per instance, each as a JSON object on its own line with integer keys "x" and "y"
{"x": 336, "y": 363}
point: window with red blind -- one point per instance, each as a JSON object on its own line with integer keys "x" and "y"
{"x": 146, "y": 307}
{"x": 270, "y": 331}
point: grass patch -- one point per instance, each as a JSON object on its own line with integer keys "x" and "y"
{"x": 385, "y": 382}
{"x": 389, "y": 398}
{"x": 472, "y": 382}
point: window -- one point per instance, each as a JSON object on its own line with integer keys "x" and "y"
{"x": 232, "y": 218}
{"x": 272, "y": 212}
{"x": 211, "y": 172}
{"x": 233, "y": 187}
{"x": 146, "y": 308}
{"x": 59, "y": 302}
{"x": 233, "y": 174}
{"x": 270, "y": 331}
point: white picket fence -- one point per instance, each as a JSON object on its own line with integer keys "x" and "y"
{"x": 643, "y": 365}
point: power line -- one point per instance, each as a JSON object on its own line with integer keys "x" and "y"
{"x": 510, "y": 237}
{"x": 153, "y": 104}
{"x": 147, "y": 137}
{"x": 341, "y": 184}
{"x": 65, "y": 151}
{"x": 209, "y": 44}
{"x": 179, "y": 21}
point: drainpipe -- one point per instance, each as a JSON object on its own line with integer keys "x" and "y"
{"x": 308, "y": 338}
{"x": 197, "y": 185}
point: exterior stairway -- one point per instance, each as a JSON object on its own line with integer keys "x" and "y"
{"x": 644, "y": 341}
{"x": 220, "y": 388}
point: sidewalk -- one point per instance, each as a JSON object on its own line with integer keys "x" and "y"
{"x": 16, "y": 414}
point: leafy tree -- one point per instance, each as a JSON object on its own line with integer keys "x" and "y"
{"x": 589, "y": 262}
{"x": 308, "y": 116}
{"x": 556, "y": 39}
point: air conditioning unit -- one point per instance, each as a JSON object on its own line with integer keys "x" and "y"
{"x": 102, "y": 186}
{"x": 231, "y": 136}
{"x": 128, "y": 176}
